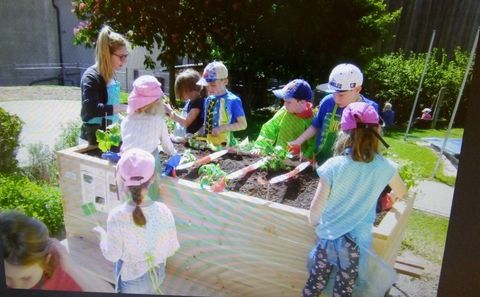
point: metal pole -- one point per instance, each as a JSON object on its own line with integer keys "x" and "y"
{"x": 460, "y": 93}
{"x": 436, "y": 108}
{"x": 420, "y": 85}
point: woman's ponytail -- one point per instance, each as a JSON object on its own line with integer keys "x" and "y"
{"x": 108, "y": 42}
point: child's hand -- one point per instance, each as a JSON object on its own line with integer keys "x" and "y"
{"x": 294, "y": 148}
{"x": 101, "y": 233}
{"x": 216, "y": 131}
{"x": 120, "y": 108}
{"x": 168, "y": 110}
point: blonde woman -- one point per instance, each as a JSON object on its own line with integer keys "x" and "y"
{"x": 100, "y": 89}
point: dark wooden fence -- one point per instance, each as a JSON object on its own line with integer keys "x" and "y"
{"x": 455, "y": 22}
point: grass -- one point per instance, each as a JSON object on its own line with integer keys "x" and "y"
{"x": 423, "y": 158}
{"x": 425, "y": 235}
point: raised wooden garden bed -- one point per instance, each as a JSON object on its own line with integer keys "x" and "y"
{"x": 231, "y": 244}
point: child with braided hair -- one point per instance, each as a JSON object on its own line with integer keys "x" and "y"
{"x": 140, "y": 233}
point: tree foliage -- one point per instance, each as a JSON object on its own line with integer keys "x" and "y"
{"x": 395, "y": 77}
{"x": 258, "y": 40}
{"x": 10, "y": 129}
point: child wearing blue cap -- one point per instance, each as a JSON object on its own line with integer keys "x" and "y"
{"x": 292, "y": 119}
{"x": 223, "y": 112}
{"x": 344, "y": 85}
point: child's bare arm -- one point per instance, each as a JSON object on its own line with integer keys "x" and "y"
{"x": 185, "y": 122}
{"x": 309, "y": 133}
{"x": 399, "y": 188}
{"x": 240, "y": 124}
{"x": 318, "y": 202}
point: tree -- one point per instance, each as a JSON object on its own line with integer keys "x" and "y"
{"x": 259, "y": 40}
{"x": 149, "y": 23}
{"x": 394, "y": 78}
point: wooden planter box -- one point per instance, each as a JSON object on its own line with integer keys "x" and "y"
{"x": 231, "y": 244}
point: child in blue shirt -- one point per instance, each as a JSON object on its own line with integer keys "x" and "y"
{"x": 343, "y": 208}
{"x": 345, "y": 84}
{"x": 223, "y": 110}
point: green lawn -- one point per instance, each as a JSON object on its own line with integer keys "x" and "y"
{"x": 422, "y": 158}
{"x": 425, "y": 235}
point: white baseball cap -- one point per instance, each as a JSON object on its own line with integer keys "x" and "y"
{"x": 344, "y": 77}
{"x": 213, "y": 71}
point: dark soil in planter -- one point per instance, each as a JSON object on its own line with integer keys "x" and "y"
{"x": 297, "y": 191}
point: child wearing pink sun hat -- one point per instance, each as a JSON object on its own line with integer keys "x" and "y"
{"x": 141, "y": 233}
{"x": 344, "y": 207}
{"x": 145, "y": 127}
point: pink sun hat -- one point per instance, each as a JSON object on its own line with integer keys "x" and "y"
{"x": 146, "y": 89}
{"x": 135, "y": 167}
{"x": 359, "y": 113}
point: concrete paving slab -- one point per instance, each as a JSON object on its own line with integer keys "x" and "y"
{"x": 434, "y": 197}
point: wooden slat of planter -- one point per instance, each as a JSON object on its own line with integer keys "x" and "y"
{"x": 389, "y": 234}
{"x": 255, "y": 230}
{"x": 408, "y": 270}
{"x": 257, "y": 245}
{"x": 87, "y": 254}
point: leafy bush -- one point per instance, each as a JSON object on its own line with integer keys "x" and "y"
{"x": 10, "y": 128}
{"x": 395, "y": 78}
{"x": 69, "y": 135}
{"x": 41, "y": 166}
{"x": 37, "y": 201}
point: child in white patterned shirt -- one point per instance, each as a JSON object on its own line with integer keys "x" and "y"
{"x": 144, "y": 125}
{"x": 140, "y": 233}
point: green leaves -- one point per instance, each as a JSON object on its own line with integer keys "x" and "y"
{"x": 209, "y": 174}
{"x": 39, "y": 201}
{"x": 395, "y": 77}
{"x": 187, "y": 156}
{"x": 10, "y": 129}
{"x": 278, "y": 154}
{"x": 109, "y": 138}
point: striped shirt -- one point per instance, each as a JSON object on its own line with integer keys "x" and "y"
{"x": 354, "y": 190}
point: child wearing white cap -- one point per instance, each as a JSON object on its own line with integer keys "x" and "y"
{"x": 344, "y": 85}
{"x": 223, "y": 112}
{"x": 140, "y": 233}
{"x": 144, "y": 125}
{"x": 343, "y": 210}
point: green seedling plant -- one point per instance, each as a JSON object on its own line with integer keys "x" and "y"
{"x": 187, "y": 156}
{"x": 277, "y": 153}
{"x": 245, "y": 145}
{"x": 212, "y": 175}
{"x": 110, "y": 137}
